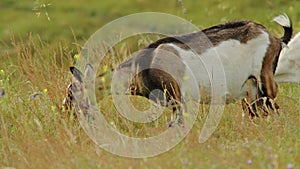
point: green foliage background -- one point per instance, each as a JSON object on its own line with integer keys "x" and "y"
{"x": 38, "y": 42}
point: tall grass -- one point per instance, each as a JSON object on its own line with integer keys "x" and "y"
{"x": 36, "y": 133}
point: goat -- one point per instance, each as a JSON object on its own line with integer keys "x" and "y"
{"x": 288, "y": 69}
{"x": 248, "y": 52}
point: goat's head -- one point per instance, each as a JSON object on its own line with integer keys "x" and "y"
{"x": 76, "y": 91}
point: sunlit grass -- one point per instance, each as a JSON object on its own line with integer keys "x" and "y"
{"x": 36, "y": 133}
{"x": 33, "y": 126}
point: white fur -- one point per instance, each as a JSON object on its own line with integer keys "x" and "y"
{"x": 283, "y": 20}
{"x": 288, "y": 69}
{"x": 239, "y": 62}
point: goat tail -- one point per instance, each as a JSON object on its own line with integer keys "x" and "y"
{"x": 286, "y": 23}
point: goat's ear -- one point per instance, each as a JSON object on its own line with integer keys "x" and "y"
{"x": 89, "y": 72}
{"x": 76, "y": 73}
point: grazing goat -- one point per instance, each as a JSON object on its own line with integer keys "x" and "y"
{"x": 288, "y": 69}
{"x": 248, "y": 52}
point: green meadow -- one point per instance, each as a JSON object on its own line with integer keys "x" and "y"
{"x": 39, "y": 41}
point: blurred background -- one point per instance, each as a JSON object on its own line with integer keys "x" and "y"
{"x": 56, "y": 20}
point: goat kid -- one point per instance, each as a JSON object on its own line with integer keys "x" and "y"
{"x": 248, "y": 52}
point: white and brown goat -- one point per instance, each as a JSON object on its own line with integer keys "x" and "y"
{"x": 288, "y": 69}
{"x": 248, "y": 52}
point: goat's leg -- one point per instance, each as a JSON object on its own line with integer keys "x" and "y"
{"x": 177, "y": 115}
{"x": 271, "y": 105}
{"x": 260, "y": 101}
{"x": 260, "y": 107}
{"x": 178, "y": 104}
{"x": 252, "y": 94}
{"x": 270, "y": 91}
{"x": 268, "y": 86}
{"x": 178, "y": 110}
{"x": 249, "y": 108}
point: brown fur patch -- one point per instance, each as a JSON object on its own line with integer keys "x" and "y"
{"x": 269, "y": 65}
{"x": 242, "y": 31}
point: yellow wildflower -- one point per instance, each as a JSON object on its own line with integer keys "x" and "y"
{"x": 102, "y": 79}
{"x": 76, "y": 56}
{"x": 105, "y": 68}
{"x": 53, "y": 108}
